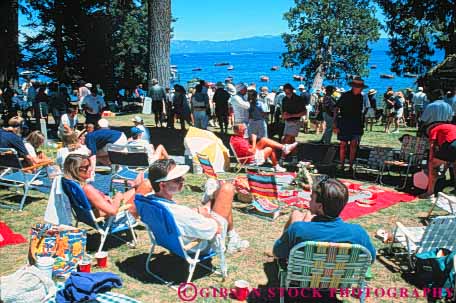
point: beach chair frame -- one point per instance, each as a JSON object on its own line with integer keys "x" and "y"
{"x": 440, "y": 233}
{"x": 374, "y": 163}
{"x": 326, "y": 265}
{"x": 84, "y": 213}
{"x": 445, "y": 202}
{"x": 172, "y": 240}
{"x": 16, "y": 176}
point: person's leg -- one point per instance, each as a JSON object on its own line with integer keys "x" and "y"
{"x": 353, "y": 150}
{"x": 342, "y": 151}
{"x": 161, "y": 153}
{"x": 326, "y": 138}
{"x": 225, "y": 122}
{"x": 223, "y": 201}
{"x": 156, "y": 117}
{"x": 270, "y": 154}
{"x": 266, "y": 142}
{"x": 433, "y": 166}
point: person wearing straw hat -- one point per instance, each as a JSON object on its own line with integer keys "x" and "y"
{"x": 205, "y": 222}
{"x": 349, "y": 120}
{"x": 371, "y": 110}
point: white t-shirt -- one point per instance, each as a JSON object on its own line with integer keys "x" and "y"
{"x": 145, "y": 134}
{"x": 30, "y": 149}
{"x": 71, "y": 122}
{"x": 63, "y": 152}
{"x": 192, "y": 225}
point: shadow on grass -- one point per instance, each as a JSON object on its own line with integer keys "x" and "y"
{"x": 93, "y": 240}
{"x": 168, "y": 267}
{"x": 13, "y": 200}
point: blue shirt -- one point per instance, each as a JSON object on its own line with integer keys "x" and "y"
{"x": 336, "y": 231}
{"x": 11, "y": 140}
{"x": 437, "y": 111}
{"x": 100, "y": 138}
{"x": 257, "y": 112}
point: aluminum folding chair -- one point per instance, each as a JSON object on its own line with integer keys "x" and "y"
{"x": 445, "y": 202}
{"x": 163, "y": 231}
{"x": 326, "y": 265}
{"x": 105, "y": 226}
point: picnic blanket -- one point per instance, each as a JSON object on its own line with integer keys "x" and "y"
{"x": 8, "y": 237}
{"x": 363, "y": 199}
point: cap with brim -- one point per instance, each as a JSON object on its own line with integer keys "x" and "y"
{"x": 372, "y": 92}
{"x": 176, "y": 172}
{"x": 135, "y": 131}
{"x": 103, "y": 123}
{"x": 88, "y": 85}
{"x": 231, "y": 89}
{"x": 301, "y": 86}
{"x": 137, "y": 119}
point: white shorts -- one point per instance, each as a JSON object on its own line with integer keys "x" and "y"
{"x": 370, "y": 113}
{"x": 259, "y": 157}
{"x": 212, "y": 244}
{"x": 399, "y": 113}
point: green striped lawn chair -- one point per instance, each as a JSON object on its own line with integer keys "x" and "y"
{"x": 326, "y": 265}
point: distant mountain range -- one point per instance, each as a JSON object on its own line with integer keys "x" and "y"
{"x": 252, "y": 44}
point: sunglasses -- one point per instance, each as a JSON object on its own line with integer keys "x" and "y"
{"x": 84, "y": 168}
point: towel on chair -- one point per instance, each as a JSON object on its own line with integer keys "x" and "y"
{"x": 58, "y": 210}
{"x": 85, "y": 286}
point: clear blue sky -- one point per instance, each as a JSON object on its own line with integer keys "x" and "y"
{"x": 227, "y": 20}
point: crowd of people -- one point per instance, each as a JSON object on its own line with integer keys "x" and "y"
{"x": 255, "y": 115}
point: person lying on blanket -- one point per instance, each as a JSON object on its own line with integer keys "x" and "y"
{"x": 259, "y": 150}
{"x": 322, "y": 223}
{"x": 78, "y": 168}
{"x": 167, "y": 179}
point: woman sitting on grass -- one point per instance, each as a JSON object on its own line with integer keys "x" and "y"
{"x": 77, "y": 168}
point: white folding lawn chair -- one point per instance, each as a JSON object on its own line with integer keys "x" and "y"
{"x": 14, "y": 175}
{"x": 445, "y": 202}
{"x": 440, "y": 233}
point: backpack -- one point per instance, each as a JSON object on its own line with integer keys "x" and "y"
{"x": 435, "y": 269}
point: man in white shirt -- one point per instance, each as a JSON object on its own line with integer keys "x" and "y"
{"x": 93, "y": 106}
{"x": 240, "y": 106}
{"x": 278, "y": 104}
{"x": 205, "y": 222}
{"x": 420, "y": 101}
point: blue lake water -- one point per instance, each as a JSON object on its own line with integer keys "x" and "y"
{"x": 249, "y": 67}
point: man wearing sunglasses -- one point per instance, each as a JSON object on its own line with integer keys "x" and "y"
{"x": 322, "y": 224}
{"x": 167, "y": 179}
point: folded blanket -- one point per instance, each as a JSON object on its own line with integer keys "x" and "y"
{"x": 85, "y": 286}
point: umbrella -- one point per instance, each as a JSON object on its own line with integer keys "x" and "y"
{"x": 207, "y": 143}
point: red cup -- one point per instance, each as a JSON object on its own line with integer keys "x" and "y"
{"x": 84, "y": 266}
{"x": 102, "y": 259}
{"x": 241, "y": 290}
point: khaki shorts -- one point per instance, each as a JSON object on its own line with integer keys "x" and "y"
{"x": 292, "y": 128}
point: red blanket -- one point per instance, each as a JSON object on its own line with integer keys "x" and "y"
{"x": 7, "y": 237}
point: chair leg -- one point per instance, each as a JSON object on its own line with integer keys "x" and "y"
{"x": 104, "y": 236}
{"x": 24, "y": 197}
{"x": 392, "y": 242}
{"x": 192, "y": 266}
{"x": 282, "y": 278}
{"x": 380, "y": 178}
{"x": 362, "y": 297}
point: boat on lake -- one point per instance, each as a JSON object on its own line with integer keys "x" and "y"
{"x": 386, "y": 76}
{"x": 298, "y": 78}
{"x": 222, "y": 64}
{"x": 410, "y": 75}
{"x": 264, "y": 78}
{"x": 275, "y": 67}
{"x": 230, "y": 67}
{"x": 197, "y": 69}
{"x": 374, "y": 66}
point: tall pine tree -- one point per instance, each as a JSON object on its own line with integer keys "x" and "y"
{"x": 416, "y": 28}
{"x": 330, "y": 39}
{"x": 9, "y": 43}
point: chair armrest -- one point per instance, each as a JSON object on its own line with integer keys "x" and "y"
{"x": 402, "y": 228}
{"x": 192, "y": 244}
{"x": 99, "y": 219}
{"x": 123, "y": 208}
{"x": 45, "y": 163}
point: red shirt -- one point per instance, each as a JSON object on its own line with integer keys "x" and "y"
{"x": 443, "y": 133}
{"x": 241, "y": 147}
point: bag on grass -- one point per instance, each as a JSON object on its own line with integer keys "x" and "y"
{"x": 64, "y": 243}
{"x": 435, "y": 269}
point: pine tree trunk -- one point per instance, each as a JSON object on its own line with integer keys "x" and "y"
{"x": 159, "y": 21}
{"x": 318, "y": 79}
{"x": 9, "y": 43}
{"x": 59, "y": 45}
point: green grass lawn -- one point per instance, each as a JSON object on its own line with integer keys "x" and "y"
{"x": 254, "y": 265}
